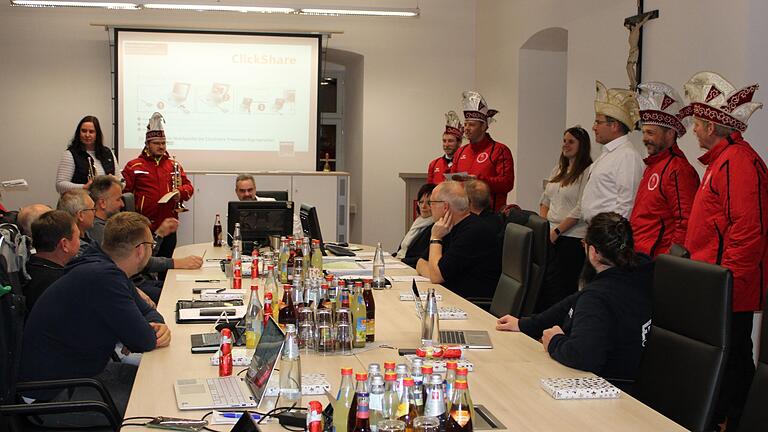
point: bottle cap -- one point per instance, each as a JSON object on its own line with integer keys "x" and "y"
{"x": 378, "y": 380}
{"x": 460, "y": 385}
{"x": 401, "y": 368}
{"x": 346, "y": 371}
{"x": 390, "y": 376}
{"x": 225, "y": 332}
{"x": 426, "y": 370}
{"x": 358, "y": 283}
{"x": 462, "y": 371}
{"x": 408, "y": 382}
{"x": 436, "y": 379}
{"x": 361, "y": 376}
{"x": 451, "y": 365}
{"x": 315, "y": 241}
{"x": 267, "y": 296}
{"x": 271, "y": 267}
{"x": 389, "y": 365}
{"x": 254, "y": 287}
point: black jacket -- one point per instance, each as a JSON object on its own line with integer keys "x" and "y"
{"x": 605, "y": 324}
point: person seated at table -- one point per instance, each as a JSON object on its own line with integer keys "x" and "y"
{"x": 602, "y": 328}
{"x": 56, "y": 240}
{"x": 416, "y": 240}
{"x": 106, "y": 192}
{"x": 479, "y": 195}
{"x": 245, "y": 189}
{"x": 464, "y": 253}
{"x": 75, "y": 325}
{"x": 80, "y": 206}
{"x": 29, "y": 214}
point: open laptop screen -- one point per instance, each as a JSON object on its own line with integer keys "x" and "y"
{"x": 264, "y": 358}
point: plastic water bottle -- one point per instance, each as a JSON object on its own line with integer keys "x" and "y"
{"x": 378, "y": 268}
{"x": 290, "y": 367}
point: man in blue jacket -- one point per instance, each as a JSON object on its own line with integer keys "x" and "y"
{"x": 78, "y": 320}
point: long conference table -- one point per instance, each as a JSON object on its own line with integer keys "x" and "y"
{"x": 505, "y": 379}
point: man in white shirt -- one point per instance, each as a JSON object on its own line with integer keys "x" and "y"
{"x": 614, "y": 176}
{"x": 245, "y": 189}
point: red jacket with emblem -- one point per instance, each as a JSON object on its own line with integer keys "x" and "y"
{"x": 663, "y": 202}
{"x": 491, "y": 161}
{"x": 436, "y": 169}
{"x": 729, "y": 218}
{"x": 149, "y": 179}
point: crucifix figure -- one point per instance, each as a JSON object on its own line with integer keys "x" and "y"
{"x": 635, "y": 26}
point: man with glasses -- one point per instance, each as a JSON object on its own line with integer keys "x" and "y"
{"x": 614, "y": 176}
{"x": 464, "y": 252}
{"x": 81, "y": 207}
{"x": 76, "y": 323}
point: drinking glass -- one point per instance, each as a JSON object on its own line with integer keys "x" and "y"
{"x": 426, "y": 424}
{"x": 391, "y": 426}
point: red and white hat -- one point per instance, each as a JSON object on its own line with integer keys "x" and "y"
{"x": 453, "y": 125}
{"x": 660, "y": 105}
{"x": 155, "y": 129}
{"x": 711, "y": 97}
{"x": 475, "y": 108}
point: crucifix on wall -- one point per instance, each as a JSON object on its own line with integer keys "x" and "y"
{"x": 635, "y": 26}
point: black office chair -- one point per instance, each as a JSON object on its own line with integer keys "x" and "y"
{"x": 515, "y": 271}
{"x": 754, "y": 418}
{"x": 684, "y": 358}
{"x": 14, "y": 412}
{"x": 129, "y": 202}
{"x": 277, "y": 195}
{"x": 539, "y": 259}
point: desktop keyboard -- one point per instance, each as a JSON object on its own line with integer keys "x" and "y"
{"x": 452, "y": 337}
{"x": 338, "y": 250}
{"x": 226, "y": 391}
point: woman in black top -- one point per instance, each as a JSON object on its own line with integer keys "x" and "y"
{"x": 602, "y": 328}
{"x": 85, "y": 157}
{"x": 416, "y": 240}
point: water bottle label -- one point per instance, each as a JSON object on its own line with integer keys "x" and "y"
{"x": 376, "y": 402}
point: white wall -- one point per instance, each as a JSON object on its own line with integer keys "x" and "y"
{"x": 55, "y": 69}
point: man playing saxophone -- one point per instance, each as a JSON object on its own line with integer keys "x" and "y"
{"x": 154, "y": 174}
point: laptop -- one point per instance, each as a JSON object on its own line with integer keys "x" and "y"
{"x": 235, "y": 391}
{"x": 471, "y": 339}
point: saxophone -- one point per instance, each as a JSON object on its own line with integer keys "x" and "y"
{"x": 176, "y": 184}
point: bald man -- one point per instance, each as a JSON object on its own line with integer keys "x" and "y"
{"x": 464, "y": 252}
{"x": 29, "y": 214}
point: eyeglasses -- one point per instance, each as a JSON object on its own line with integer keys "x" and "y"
{"x": 89, "y": 209}
{"x": 147, "y": 242}
{"x": 430, "y": 202}
{"x": 599, "y": 122}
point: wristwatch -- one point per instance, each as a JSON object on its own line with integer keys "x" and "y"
{"x": 557, "y": 231}
{"x": 436, "y": 241}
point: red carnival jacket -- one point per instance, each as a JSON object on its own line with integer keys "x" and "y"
{"x": 491, "y": 162}
{"x": 663, "y": 202}
{"x": 149, "y": 179}
{"x": 436, "y": 169}
{"x": 729, "y": 218}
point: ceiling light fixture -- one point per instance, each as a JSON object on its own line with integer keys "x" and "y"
{"x": 62, "y": 3}
{"x": 361, "y": 12}
{"x": 219, "y": 8}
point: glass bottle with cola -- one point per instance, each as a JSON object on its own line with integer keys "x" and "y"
{"x": 370, "y": 312}
{"x": 217, "y": 237}
{"x": 360, "y": 387}
{"x": 459, "y": 417}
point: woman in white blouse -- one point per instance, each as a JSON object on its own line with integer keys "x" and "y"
{"x": 85, "y": 158}
{"x": 416, "y": 240}
{"x": 559, "y": 205}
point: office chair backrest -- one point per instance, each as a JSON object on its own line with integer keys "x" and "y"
{"x": 277, "y": 195}
{"x": 515, "y": 271}
{"x": 129, "y": 202}
{"x": 539, "y": 258}
{"x": 685, "y": 352}
{"x": 754, "y": 418}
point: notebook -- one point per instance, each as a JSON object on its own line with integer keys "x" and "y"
{"x": 235, "y": 391}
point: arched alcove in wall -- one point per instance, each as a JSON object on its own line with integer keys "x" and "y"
{"x": 543, "y": 62}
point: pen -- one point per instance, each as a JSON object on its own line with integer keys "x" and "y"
{"x": 204, "y": 253}
{"x": 213, "y": 260}
{"x": 232, "y": 415}
{"x": 207, "y": 280}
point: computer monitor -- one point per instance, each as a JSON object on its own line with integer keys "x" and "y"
{"x": 310, "y": 223}
{"x": 258, "y": 220}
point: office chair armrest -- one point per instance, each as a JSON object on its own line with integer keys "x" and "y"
{"x": 44, "y": 408}
{"x": 481, "y": 302}
{"x": 71, "y": 384}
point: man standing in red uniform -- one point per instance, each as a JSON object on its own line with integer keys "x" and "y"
{"x": 451, "y": 141}
{"x": 729, "y": 220}
{"x": 150, "y": 176}
{"x": 484, "y": 158}
{"x": 665, "y": 195}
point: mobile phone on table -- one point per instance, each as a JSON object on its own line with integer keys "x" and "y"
{"x": 178, "y": 424}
